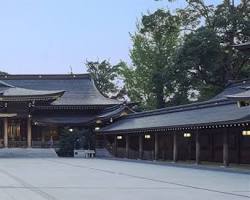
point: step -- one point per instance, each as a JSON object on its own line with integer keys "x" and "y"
{"x": 27, "y": 153}
{"x": 102, "y": 153}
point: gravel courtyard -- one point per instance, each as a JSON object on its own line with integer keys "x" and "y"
{"x": 94, "y": 179}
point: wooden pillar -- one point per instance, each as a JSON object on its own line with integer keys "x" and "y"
{"x": 140, "y": 146}
{"x": 175, "y": 147}
{"x": 105, "y": 140}
{"x": 115, "y": 145}
{"x": 211, "y": 142}
{"x": 156, "y": 146}
{"x": 197, "y": 147}
{"x": 127, "y": 146}
{"x": 43, "y": 138}
{"x": 29, "y": 136}
{"x": 239, "y": 147}
{"x": 5, "y": 130}
{"x": 225, "y": 148}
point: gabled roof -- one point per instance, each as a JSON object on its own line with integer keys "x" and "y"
{"x": 79, "y": 88}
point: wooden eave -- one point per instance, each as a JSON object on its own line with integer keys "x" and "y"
{"x": 226, "y": 124}
{"x": 68, "y": 107}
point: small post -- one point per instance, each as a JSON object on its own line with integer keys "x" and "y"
{"x": 140, "y": 146}
{"x": 5, "y": 130}
{"x": 225, "y": 148}
{"x": 156, "y": 146}
{"x": 197, "y": 147}
{"x": 175, "y": 147}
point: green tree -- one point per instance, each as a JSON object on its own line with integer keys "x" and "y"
{"x": 207, "y": 57}
{"x": 149, "y": 79}
{"x": 199, "y": 61}
{"x": 78, "y": 139}
{"x": 105, "y": 77}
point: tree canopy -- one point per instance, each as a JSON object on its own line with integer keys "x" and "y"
{"x": 149, "y": 79}
{"x": 104, "y": 75}
{"x": 207, "y": 55}
{"x": 181, "y": 56}
{"x": 199, "y": 61}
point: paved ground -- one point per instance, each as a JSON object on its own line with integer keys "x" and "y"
{"x": 73, "y": 179}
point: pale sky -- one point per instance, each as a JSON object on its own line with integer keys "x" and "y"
{"x": 48, "y": 36}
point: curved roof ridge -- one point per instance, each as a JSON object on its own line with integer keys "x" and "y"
{"x": 95, "y": 88}
{"x": 192, "y": 106}
{"x": 44, "y": 76}
{"x": 6, "y": 84}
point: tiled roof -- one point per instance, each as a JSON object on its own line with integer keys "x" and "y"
{"x": 240, "y": 96}
{"x": 112, "y": 111}
{"x": 14, "y": 91}
{"x": 79, "y": 88}
{"x": 202, "y": 116}
{"x": 234, "y": 87}
{"x": 218, "y": 110}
